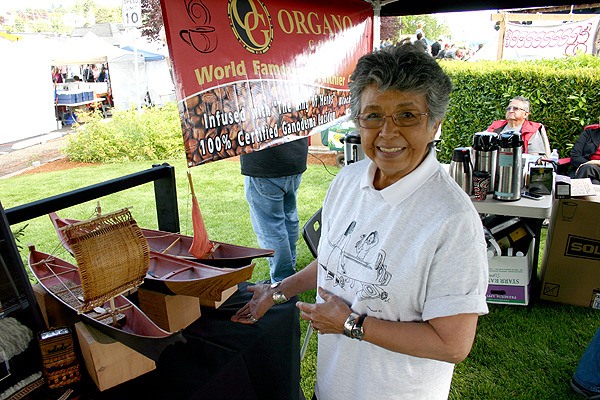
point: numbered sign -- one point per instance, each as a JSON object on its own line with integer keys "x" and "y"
{"x": 132, "y": 12}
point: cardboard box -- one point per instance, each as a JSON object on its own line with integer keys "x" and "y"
{"x": 227, "y": 293}
{"x": 571, "y": 265}
{"x": 170, "y": 312}
{"x": 509, "y": 279}
{"x": 108, "y": 362}
{"x": 510, "y": 295}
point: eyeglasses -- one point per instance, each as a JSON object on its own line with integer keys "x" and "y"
{"x": 513, "y": 108}
{"x": 374, "y": 120}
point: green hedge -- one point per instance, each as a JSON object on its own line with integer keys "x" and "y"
{"x": 564, "y": 97}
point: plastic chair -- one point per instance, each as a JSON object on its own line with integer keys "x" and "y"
{"x": 547, "y": 147}
{"x": 311, "y": 232}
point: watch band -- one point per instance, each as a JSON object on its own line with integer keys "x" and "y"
{"x": 358, "y": 331}
{"x": 349, "y": 324}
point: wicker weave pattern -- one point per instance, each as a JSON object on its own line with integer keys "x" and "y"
{"x": 112, "y": 255}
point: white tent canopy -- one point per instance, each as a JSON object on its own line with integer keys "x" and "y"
{"x": 128, "y": 88}
{"x": 89, "y": 49}
{"x": 28, "y": 96}
{"x": 28, "y": 101}
{"x": 159, "y": 82}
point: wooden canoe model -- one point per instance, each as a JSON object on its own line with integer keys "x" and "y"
{"x": 117, "y": 318}
{"x": 177, "y": 245}
{"x": 172, "y": 275}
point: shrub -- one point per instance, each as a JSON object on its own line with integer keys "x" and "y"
{"x": 130, "y": 135}
{"x": 562, "y": 94}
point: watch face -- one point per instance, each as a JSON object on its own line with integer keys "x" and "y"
{"x": 357, "y": 332}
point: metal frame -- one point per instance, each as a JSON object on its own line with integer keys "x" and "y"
{"x": 165, "y": 194}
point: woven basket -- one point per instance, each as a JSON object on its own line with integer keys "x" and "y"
{"x": 60, "y": 366}
{"x": 112, "y": 255}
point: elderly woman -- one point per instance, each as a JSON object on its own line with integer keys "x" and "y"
{"x": 402, "y": 271}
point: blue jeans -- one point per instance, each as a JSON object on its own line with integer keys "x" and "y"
{"x": 588, "y": 370}
{"x": 274, "y": 218}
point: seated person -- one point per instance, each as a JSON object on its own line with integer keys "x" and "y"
{"x": 585, "y": 155}
{"x": 533, "y": 134}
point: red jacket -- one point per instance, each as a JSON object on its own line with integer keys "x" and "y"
{"x": 527, "y": 130}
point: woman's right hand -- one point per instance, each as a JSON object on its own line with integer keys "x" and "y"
{"x": 262, "y": 300}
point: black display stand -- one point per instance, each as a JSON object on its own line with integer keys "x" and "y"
{"x": 223, "y": 360}
{"x": 17, "y": 301}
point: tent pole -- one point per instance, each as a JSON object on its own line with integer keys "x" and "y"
{"x": 137, "y": 76}
{"x": 376, "y": 23}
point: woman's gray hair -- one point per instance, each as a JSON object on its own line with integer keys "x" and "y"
{"x": 404, "y": 68}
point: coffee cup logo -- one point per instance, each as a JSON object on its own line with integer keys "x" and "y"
{"x": 201, "y": 38}
{"x": 198, "y": 12}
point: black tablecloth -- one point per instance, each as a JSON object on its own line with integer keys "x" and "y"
{"x": 226, "y": 360}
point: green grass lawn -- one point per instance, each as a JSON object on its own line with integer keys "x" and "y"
{"x": 519, "y": 352}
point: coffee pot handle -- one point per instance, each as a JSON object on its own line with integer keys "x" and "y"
{"x": 468, "y": 165}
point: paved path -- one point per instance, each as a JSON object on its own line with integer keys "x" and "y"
{"x": 19, "y": 156}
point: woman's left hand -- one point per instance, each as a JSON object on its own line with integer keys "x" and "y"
{"x": 328, "y": 316}
{"x": 252, "y": 311}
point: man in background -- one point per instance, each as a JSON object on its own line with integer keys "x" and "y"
{"x": 436, "y": 47}
{"x": 272, "y": 179}
{"x": 535, "y": 140}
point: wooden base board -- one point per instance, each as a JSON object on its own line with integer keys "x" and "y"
{"x": 170, "y": 312}
{"x": 108, "y": 362}
{"x": 227, "y": 293}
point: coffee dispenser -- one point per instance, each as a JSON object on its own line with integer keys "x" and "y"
{"x": 461, "y": 169}
{"x": 353, "y": 150}
{"x": 509, "y": 171}
{"x": 485, "y": 151}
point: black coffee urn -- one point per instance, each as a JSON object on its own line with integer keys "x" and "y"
{"x": 485, "y": 149}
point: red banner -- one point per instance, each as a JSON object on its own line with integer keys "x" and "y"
{"x": 253, "y": 74}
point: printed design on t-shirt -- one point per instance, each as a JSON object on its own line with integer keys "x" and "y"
{"x": 356, "y": 262}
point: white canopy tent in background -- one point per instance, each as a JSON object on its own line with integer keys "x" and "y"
{"x": 159, "y": 81}
{"x": 90, "y": 49}
{"x": 28, "y": 101}
{"x": 27, "y": 92}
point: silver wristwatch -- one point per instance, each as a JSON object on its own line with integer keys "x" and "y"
{"x": 353, "y": 326}
{"x": 278, "y": 296}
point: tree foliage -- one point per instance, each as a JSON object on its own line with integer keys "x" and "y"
{"x": 106, "y": 14}
{"x": 432, "y": 28}
{"x": 152, "y": 19}
{"x": 51, "y": 20}
{"x": 394, "y": 28}
{"x": 390, "y": 28}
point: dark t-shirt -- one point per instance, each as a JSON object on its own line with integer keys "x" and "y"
{"x": 435, "y": 48}
{"x": 283, "y": 160}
